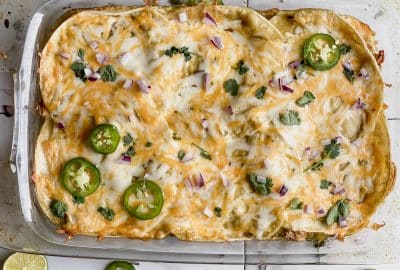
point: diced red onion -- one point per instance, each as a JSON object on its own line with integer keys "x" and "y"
{"x": 357, "y": 143}
{"x": 101, "y": 58}
{"x": 8, "y": 110}
{"x": 338, "y": 190}
{"x": 64, "y": 55}
{"x": 364, "y": 73}
{"x": 143, "y": 86}
{"x": 342, "y": 221}
{"x": 187, "y": 157}
{"x": 200, "y": 183}
{"x": 205, "y": 124}
{"x": 208, "y": 19}
{"x": 294, "y": 64}
{"x": 321, "y": 211}
{"x": 308, "y": 209}
{"x": 128, "y": 84}
{"x": 207, "y": 212}
{"x": 359, "y": 105}
{"x": 351, "y": 196}
{"x": 131, "y": 117}
{"x": 206, "y": 81}
{"x": 271, "y": 83}
{"x": 94, "y": 76}
{"x": 339, "y": 139}
{"x": 314, "y": 154}
{"x": 283, "y": 190}
{"x": 94, "y": 45}
{"x": 307, "y": 152}
{"x": 266, "y": 163}
{"x": 88, "y": 71}
{"x": 261, "y": 179}
{"x": 123, "y": 57}
{"x": 326, "y": 142}
{"x": 217, "y": 42}
{"x": 225, "y": 180}
{"x": 347, "y": 65}
{"x": 188, "y": 184}
{"x": 125, "y": 159}
{"x": 282, "y": 84}
{"x": 182, "y": 17}
{"x": 275, "y": 196}
{"x": 228, "y": 110}
{"x": 60, "y": 125}
{"x": 284, "y": 79}
{"x": 285, "y": 88}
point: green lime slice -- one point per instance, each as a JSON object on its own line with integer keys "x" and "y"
{"x": 24, "y": 261}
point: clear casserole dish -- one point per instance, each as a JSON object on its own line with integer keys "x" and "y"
{"x": 23, "y": 226}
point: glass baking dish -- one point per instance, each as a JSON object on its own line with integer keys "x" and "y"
{"x": 23, "y": 226}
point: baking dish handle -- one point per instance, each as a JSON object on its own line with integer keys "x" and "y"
{"x": 9, "y": 85}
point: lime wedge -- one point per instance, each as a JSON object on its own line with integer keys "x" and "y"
{"x": 23, "y": 261}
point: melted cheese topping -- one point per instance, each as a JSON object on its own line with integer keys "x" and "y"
{"x": 242, "y": 134}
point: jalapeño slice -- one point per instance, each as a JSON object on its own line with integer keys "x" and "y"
{"x": 80, "y": 177}
{"x": 104, "y": 138}
{"x": 321, "y": 52}
{"x": 120, "y": 265}
{"x": 143, "y": 199}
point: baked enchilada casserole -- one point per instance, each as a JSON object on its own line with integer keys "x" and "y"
{"x": 211, "y": 123}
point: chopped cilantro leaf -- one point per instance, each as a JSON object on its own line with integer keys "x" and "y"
{"x": 324, "y": 184}
{"x": 290, "y": 118}
{"x": 341, "y": 208}
{"x": 176, "y": 137}
{"x": 300, "y": 70}
{"x": 260, "y": 92}
{"x": 203, "y": 153}
{"x": 218, "y": 211}
{"x": 344, "y": 48}
{"x": 107, "y": 213}
{"x": 58, "y": 208}
{"x": 170, "y": 52}
{"x": 241, "y": 67}
{"x": 331, "y": 150}
{"x": 307, "y": 98}
{"x": 79, "y": 69}
{"x": 174, "y": 50}
{"x": 130, "y": 152}
{"x": 127, "y": 139}
{"x": 108, "y": 73}
{"x": 192, "y": 2}
{"x": 295, "y": 204}
{"x": 263, "y": 188}
{"x": 232, "y": 87}
{"x": 349, "y": 74}
{"x": 176, "y": 2}
{"x": 81, "y": 54}
{"x": 181, "y": 154}
{"x": 78, "y": 200}
{"x": 316, "y": 166}
{"x": 186, "y": 53}
{"x": 148, "y": 144}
